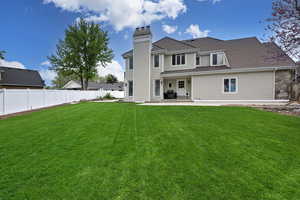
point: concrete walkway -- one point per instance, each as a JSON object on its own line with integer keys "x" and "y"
{"x": 221, "y": 103}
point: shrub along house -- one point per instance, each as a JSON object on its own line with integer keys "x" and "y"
{"x": 205, "y": 69}
{"x": 14, "y": 78}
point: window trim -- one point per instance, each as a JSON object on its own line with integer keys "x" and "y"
{"x": 180, "y": 55}
{"x": 197, "y": 55}
{"x": 130, "y": 58}
{"x": 129, "y": 88}
{"x": 236, "y": 85}
{"x": 154, "y": 93}
{"x": 154, "y": 61}
{"x": 217, "y": 53}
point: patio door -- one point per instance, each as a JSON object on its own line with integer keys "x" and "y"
{"x": 181, "y": 87}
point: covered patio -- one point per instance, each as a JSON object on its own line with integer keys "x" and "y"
{"x": 178, "y": 88}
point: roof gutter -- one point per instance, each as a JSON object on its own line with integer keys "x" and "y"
{"x": 226, "y": 71}
{"x": 21, "y": 85}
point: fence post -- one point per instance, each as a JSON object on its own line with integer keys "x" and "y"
{"x": 28, "y": 98}
{"x": 44, "y": 97}
{"x": 3, "y": 102}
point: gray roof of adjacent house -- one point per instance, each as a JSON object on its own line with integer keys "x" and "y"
{"x": 241, "y": 53}
{"x": 105, "y": 86}
{"x": 114, "y": 86}
{"x": 20, "y": 77}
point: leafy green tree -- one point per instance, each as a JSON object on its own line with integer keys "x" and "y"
{"x": 84, "y": 47}
{"x": 2, "y": 55}
{"x": 110, "y": 78}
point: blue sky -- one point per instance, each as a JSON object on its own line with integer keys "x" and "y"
{"x": 30, "y": 29}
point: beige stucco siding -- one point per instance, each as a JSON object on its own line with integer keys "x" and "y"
{"x": 141, "y": 70}
{"x": 250, "y": 86}
{"x": 128, "y": 77}
{"x": 190, "y": 61}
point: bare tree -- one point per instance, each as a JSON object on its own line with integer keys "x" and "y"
{"x": 284, "y": 25}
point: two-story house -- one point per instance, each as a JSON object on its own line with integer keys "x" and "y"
{"x": 205, "y": 69}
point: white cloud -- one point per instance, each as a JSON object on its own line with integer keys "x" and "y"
{"x": 46, "y": 63}
{"x": 126, "y": 36}
{"x": 112, "y": 68}
{"x": 195, "y": 31}
{"x": 213, "y": 1}
{"x": 47, "y": 75}
{"x": 124, "y": 13}
{"x": 12, "y": 64}
{"x": 169, "y": 29}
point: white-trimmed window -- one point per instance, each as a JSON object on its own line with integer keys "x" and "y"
{"x": 130, "y": 62}
{"x": 157, "y": 87}
{"x": 178, "y": 59}
{"x": 230, "y": 85}
{"x": 130, "y": 88}
{"x": 1, "y": 75}
{"x": 217, "y": 59}
{"x": 156, "y": 60}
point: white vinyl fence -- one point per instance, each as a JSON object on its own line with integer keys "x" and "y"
{"x": 18, "y": 100}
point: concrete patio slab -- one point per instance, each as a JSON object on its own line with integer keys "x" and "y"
{"x": 221, "y": 103}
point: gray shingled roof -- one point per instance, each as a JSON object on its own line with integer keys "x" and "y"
{"x": 172, "y": 44}
{"x": 105, "y": 86}
{"x": 20, "y": 77}
{"x": 206, "y": 44}
{"x": 241, "y": 53}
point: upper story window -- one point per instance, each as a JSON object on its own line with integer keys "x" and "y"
{"x": 178, "y": 59}
{"x": 217, "y": 59}
{"x": 197, "y": 59}
{"x": 130, "y": 60}
{"x": 156, "y": 60}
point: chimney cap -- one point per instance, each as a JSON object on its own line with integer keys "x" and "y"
{"x": 144, "y": 30}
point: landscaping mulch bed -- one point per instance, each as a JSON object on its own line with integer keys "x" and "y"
{"x": 290, "y": 109}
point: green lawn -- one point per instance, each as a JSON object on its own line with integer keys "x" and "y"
{"x": 127, "y": 151}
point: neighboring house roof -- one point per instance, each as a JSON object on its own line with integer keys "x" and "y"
{"x": 95, "y": 85}
{"x": 114, "y": 86}
{"x": 241, "y": 53}
{"x": 20, "y": 77}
